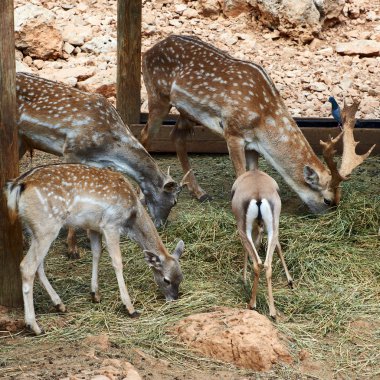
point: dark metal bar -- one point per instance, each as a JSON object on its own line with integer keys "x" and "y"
{"x": 301, "y": 122}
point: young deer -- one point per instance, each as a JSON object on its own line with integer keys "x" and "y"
{"x": 48, "y": 197}
{"x": 256, "y": 204}
{"x": 237, "y": 100}
{"x": 85, "y": 128}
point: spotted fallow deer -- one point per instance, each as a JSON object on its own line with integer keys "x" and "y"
{"x": 256, "y": 205}
{"x": 237, "y": 100}
{"x": 103, "y": 201}
{"x": 86, "y": 128}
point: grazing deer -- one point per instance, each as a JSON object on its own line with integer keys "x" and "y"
{"x": 48, "y": 197}
{"x": 85, "y": 128}
{"x": 237, "y": 100}
{"x": 256, "y": 204}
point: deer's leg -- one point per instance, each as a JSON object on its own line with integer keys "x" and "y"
{"x": 246, "y": 238}
{"x": 52, "y": 293}
{"x": 112, "y": 238}
{"x": 159, "y": 107}
{"x": 272, "y": 242}
{"x": 72, "y": 247}
{"x": 281, "y": 255}
{"x": 236, "y": 151}
{"x": 252, "y": 159}
{"x": 96, "y": 249}
{"x": 179, "y": 135}
{"x": 29, "y": 265}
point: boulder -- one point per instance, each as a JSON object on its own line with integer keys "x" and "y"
{"x": 365, "y": 48}
{"x": 77, "y": 35}
{"x": 103, "y": 82}
{"x": 36, "y": 33}
{"x": 101, "y": 44}
{"x": 242, "y": 337}
{"x": 233, "y": 8}
{"x": 210, "y": 8}
{"x": 297, "y": 19}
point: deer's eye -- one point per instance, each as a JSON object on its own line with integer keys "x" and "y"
{"x": 167, "y": 281}
{"x": 327, "y": 202}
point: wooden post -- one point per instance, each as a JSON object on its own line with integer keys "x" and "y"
{"x": 129, "y": 60}
{"x": 10, "y": 235}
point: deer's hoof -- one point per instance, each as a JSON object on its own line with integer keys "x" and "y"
{"x": 205, "y": 198}
{"x": 95, "y": 297}
{"x": 135, "y": 314}
{"x": 61, "y": 308}
{"x": 73, "y": 255}
{"x": 35, "y": 330}
{"x": 290, "y": 284}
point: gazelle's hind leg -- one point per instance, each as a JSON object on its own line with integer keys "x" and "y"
{"x": 272, "y": 232}
{"x": 246, "y": 237}
{"x": 281, "y": 255}
{"x": 179, "y": 135}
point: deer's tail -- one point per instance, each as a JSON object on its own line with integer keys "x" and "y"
{"x": 13, "y": 192}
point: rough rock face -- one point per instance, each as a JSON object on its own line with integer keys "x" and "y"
{"x": 298, "y": 19}
{"x": 365, "y": 48}
{"x": 243, "y": 337}
{"x": 35, "y": 32}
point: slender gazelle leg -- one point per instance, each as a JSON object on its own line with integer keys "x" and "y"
{"x": 250, "y": 249}
{"x": 179, "y": 135}
{"x": 281, "y": 255}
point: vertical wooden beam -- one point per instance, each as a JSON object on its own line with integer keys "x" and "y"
{"x": 10, "y": 235}
{"x": 129, "y": 60}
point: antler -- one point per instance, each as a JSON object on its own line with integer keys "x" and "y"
{"x": 328, "y": 154}
{"x": 183, "y": 183}
{"x": 350, "y": 160}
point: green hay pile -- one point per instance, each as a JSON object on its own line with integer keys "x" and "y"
{"x": 334, "y": 260}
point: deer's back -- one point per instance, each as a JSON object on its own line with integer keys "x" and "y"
{"x": 254, "y": 184}
{"x": 52, "y": 116}
{"x": 76, "y": 195}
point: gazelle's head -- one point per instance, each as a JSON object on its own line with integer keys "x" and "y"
{"x": 167, "y": 271}
{"x": 325, "y": 186}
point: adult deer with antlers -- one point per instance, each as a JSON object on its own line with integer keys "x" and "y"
{"x": 86, "y": 128}
{"x": 237, "y": 100}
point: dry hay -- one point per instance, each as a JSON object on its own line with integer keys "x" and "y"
{"x": 334, "y": 260}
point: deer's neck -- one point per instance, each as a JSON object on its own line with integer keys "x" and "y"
{"x": 282, "y": 143}
{"x": 144, "y": 233}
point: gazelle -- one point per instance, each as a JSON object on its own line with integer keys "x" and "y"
{"x": 85, "y": 128}
{"x": 237, "y": 100}
{"x": 256, "y": 204}
{"x": 48, "y": 197}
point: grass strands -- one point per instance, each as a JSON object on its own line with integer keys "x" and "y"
{"x": 333, "y": 258}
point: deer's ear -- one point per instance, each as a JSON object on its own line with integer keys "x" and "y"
{"x": 170, "y": 185}
{"x": 152, "y": 259}
{"x": 311, "y": 176}
{"x": 178, "y": 250}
